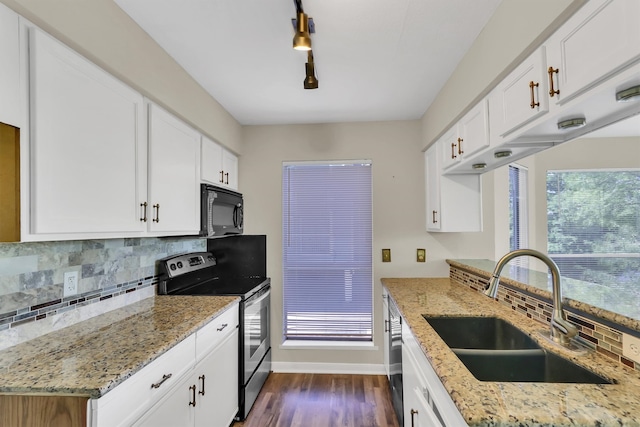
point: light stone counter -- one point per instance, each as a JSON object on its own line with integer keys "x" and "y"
{"x": 92, "y": 357}
{"x": 512, "y": 404}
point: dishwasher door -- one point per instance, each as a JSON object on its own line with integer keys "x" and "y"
{"x": 395, "y": 359}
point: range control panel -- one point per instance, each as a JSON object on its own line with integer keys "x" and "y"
{"x": 186, "y": 263}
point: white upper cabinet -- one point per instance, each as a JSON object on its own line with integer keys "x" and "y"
{"x": 469, "y": 136}
{"x": 453, "y": 202}
{"x": 601, "y": 39}
{"x": 521, "y": 96}
{"x": 219, "y": 166}
{"x": 174, "y": 175}
{"x": 88, "y": 146}
{"x": 10, "y": 105}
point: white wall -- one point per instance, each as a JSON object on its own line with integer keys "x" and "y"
{"x": 101, "y": 31}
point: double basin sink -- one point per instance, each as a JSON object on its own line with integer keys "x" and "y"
{"x": 495, "y": 350}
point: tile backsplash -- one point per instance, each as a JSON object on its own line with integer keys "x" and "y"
{"x": 31, "y": 274}
{"x": 604, "y": 339}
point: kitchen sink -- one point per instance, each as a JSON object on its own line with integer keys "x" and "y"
{"x": 525, "y": 366}
{"x": 484, "y": 333}
{"x": 495, "y": 350}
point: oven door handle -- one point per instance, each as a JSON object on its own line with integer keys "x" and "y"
{"x": 250, "y": 302}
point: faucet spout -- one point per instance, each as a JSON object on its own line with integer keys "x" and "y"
{"x": 561, "y": 329}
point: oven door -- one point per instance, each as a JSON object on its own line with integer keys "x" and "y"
{"x": 257, "y": 339}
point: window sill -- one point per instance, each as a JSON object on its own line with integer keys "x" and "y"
{"x": 328, "y": 345}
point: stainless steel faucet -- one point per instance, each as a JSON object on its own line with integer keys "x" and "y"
{"x": 561, "y": 329}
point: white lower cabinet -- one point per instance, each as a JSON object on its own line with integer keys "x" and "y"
{"x": 426, "y": 402}
{"x": 385, "y": 317}
{"x": 207, "y": 397}
{"x": 193, "y": 384}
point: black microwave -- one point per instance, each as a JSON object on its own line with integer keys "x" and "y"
{"x": 221, "y": 211}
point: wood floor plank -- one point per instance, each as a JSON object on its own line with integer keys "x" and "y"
{"x": 322, "y": 400}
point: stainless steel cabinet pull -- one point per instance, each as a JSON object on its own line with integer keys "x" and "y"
{"x": 143, "y": 207}
{"x": 453, "y": 150}
{"x": 227, "y": 175}
{"x": 533, "y": 104}
{"x": 386, "y": 326}
{"x": 159, "y": 383}
{"x": 551, "y": 72}
{"x": 460, "y": 146}
{"x": 221, "y": 177}
{"x": 157, "y": 208}
{"x": 224, "y": 325}
{"x": 201, "y": 378}
{"x": 413, "y": 412}
{"x": 193, "y": 395}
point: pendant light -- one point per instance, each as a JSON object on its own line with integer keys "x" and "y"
{"x": 302, "y": 39}
{"x": 310, "y": 81}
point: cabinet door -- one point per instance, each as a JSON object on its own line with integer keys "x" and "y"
{"x": 217, "y": 382}
{"x": 449, "y": 148}
{"x": 211, "y": 166}
{"x": 174, "y": 409}
{"x": 473, "y": 130}
{"x": 600, "y": 39}
{"x": 88, "y": 150}
{"x": 174, "y": 174}
{"x": 10, "y": 105}
{"x": 432, "y": 182}
{"x": 385, "y": 317}
{"x": 522, "y": 95}
{"x": 230, "y": 168}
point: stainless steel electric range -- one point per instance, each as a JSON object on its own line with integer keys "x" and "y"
{"x": 200, "y": 273}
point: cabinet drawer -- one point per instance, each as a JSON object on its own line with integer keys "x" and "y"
{"x": 215, "y": 331}
{"x": 130, "y": 399}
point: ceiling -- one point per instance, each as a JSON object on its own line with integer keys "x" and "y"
{"x": 375, "y": 59}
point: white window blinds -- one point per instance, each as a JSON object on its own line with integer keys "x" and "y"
{"x": 327, "y": 253}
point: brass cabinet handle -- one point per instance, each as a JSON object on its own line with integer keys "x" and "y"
{"x": 453, "y": 150}
{"x": 413, "y": 412}
{"x": 552, "y": 92}
{"x": 143, "y": 207}
{"x": 227, "y": 175}
{"x": 533, "y": 103}
{"x": 460, "y": 146}
{"x": 224, "y": 325}
{"x": 159, "y": 383}
{"x": 193, "y": 395}
{"x": 221, "y": 177}
{"x": 157, "y": 209}
{"x": 201, "y": 378}
{"x": 433, "y": 216}
{"x": 386, "y": 326}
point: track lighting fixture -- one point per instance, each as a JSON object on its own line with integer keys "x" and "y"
{"x": 310, "y": 82}
{"x": 302, "y": 39}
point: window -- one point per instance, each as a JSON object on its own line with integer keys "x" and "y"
{"x": 593, "y": 221}
{"x": 327, "y": 251}
{"x": 518, "y": 219}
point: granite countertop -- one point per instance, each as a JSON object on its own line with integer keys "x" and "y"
{"x": 512, "y": 404}
{"x": 92, "y": 357}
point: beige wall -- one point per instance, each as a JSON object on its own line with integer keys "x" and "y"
{"x": 398, "y": 209}
{"x": 101, "y": 31}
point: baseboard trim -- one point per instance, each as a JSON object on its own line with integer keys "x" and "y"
{"x": 327, "y": 368}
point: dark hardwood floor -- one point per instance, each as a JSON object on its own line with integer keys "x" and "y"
{"x": 322, "y": 400}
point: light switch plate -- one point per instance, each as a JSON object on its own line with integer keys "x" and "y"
{"x": 631, "y": 347}
{"x": 386, "y": 255}
{"x": 421, "y": 255}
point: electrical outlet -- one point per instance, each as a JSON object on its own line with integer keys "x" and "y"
{"x": 70, "y": 284}
{"x": 631, "y": 347}
{"x": 386, "y": 255}
{"x": 421, "y": 255}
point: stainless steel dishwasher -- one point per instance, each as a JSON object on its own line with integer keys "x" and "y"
{"x": 395, "y": 359}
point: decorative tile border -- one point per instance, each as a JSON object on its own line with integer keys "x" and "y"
{"x": 606, "y": 340}
{"x": 41, "y": 311}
